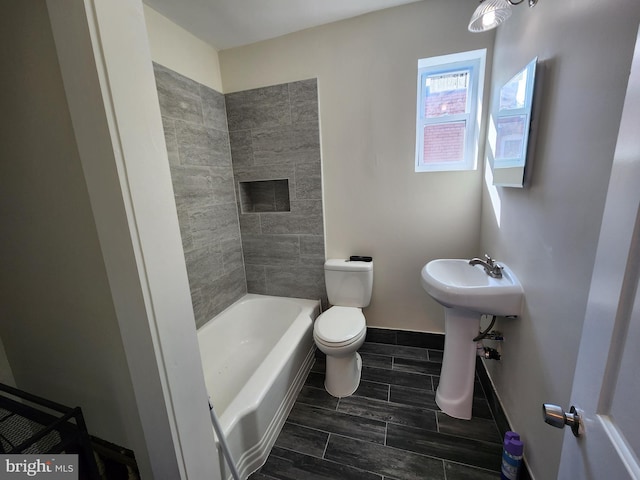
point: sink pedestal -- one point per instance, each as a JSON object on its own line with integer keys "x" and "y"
{"x": 454, "y": 395}
{"x": 466, "y": 291}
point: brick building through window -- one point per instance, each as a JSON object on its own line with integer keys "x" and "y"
{"x": 449, "y": 94}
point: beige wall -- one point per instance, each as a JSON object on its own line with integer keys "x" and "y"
{"x": 94, "y": 303}
{"x": 59, "y": 326}
{"x": 548, "y": 232}
{"x": 114, "y": 109}
{"x": 375, "y": 204}
{"x": 6, "y": 375}
{"x": 177, "y": 49}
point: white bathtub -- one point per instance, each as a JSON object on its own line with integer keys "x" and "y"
{"x": 256, "y": 355}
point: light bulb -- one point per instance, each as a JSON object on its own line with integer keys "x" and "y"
{"x": 489, "y": 19}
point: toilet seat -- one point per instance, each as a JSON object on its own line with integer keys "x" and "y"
{"x": 337, "y": 346}
{"x": 340, "y": 326}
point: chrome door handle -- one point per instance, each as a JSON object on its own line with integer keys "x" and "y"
{"x": 555, "y": 416}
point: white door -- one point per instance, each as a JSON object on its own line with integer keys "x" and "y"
{"x": 607, "y": 379}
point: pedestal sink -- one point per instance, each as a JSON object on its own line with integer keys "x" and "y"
{"x": 467, "y": 292}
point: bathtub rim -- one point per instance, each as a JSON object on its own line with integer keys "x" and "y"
{"x": 296, "y": 342}
{"x": 310, "y": 308}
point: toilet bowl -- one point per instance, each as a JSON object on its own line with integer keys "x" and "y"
{"x": 339, "y": 333}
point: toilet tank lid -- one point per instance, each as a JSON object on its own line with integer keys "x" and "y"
{"x": 344, "y": 264}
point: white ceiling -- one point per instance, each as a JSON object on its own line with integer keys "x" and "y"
{"x": 231, "y": 23}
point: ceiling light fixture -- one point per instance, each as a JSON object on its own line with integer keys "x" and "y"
{"x": 491, "y": 13}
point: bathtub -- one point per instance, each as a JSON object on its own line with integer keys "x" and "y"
{"x": 256, "y": 355}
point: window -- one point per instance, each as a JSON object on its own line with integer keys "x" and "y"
{"x": 448, "y": 112}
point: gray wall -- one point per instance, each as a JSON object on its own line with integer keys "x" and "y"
{"x": 197, "y": 140}
{"x": 58, "y": 321}
{"x": 275, "y": 136}
{"x": 374, "y": 202}
{"x": 548, "y": 233}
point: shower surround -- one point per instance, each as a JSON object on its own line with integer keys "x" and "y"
{"x": 274, "y": 134}
{"x": 197, "y": 140}
{"x": 264, "y": 148}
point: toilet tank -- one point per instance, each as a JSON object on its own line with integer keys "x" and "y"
{"x": 349, "y": 284}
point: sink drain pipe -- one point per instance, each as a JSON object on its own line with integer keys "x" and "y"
{"x": 223, "y": 443}
{"x": 486, "y": 331}
{"x": 486, "y": 352}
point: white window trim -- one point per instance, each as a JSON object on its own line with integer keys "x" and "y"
{"x": 476, "y": 59}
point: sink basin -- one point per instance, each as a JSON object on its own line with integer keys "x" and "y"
{"x": 456, "y": 284}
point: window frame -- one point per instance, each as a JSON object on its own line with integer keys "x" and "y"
{"x": 474, "y": 61}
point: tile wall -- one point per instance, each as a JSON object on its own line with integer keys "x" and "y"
{"x": 274, "y": 247}
{"x": 195, "y": 125}
{"x": 274, "y": 135}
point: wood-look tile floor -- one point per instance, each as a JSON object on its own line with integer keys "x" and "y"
{"x": 390, "y": 429}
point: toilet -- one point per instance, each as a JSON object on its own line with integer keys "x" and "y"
{"x": 340, "y": 331}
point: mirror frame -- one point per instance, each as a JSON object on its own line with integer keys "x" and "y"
{"x": 514, "y": 170}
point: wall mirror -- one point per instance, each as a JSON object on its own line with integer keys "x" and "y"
{"x": 512, "y": 134}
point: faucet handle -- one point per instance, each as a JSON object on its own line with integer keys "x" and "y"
{"x": 489, "y": 260}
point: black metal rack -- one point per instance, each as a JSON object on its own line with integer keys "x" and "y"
{"x": 33, "y": 425}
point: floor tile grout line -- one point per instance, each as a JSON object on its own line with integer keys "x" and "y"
{"x": 486, "y": 397}
{"x": 427, "y": 409}
{"x": 401, "y": 371}
{"x": 411, "y": 392}
{"x": 400, "y": 357}
{"x": 330, "y": 433}
{"x": 443, "y": 460}
{"x": 300, "y": 402}
{"x": 326, "y": 445}
{"x": 341, "y": 412}
{"x": 310, "y": 428}
{"x": 374, "y": 354}
{"x": 401, "y": 348}
{"x": 432, "y": 457}
{"x": 405, "y": 406}
{"x": 487, "y": 470}
{"x": 405, "y": 351}
{"x": 363, "y": 380}
{"x": 387, "y": 423}
{"x": 451, "y": 436}
{"x": 298, "y": 452}
{"x": 373, "y": 381}
{"x": 403, "y": 345}
{"x": 328, "y": 460}
{"x": 386, "y": 427}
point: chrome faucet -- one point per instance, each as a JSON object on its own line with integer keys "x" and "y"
{"x": 490, "y": 266}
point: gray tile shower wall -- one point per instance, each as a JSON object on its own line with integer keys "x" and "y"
{"x": 274, "y": 135}
{"x": 197, "y": 138}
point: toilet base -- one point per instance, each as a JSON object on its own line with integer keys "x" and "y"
{"x": 342, "y": 377}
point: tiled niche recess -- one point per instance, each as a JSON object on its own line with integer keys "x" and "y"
{"x": 195, "y": 125}
{"x": 274, "y": 136}
{"x": 265, "y": 196}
